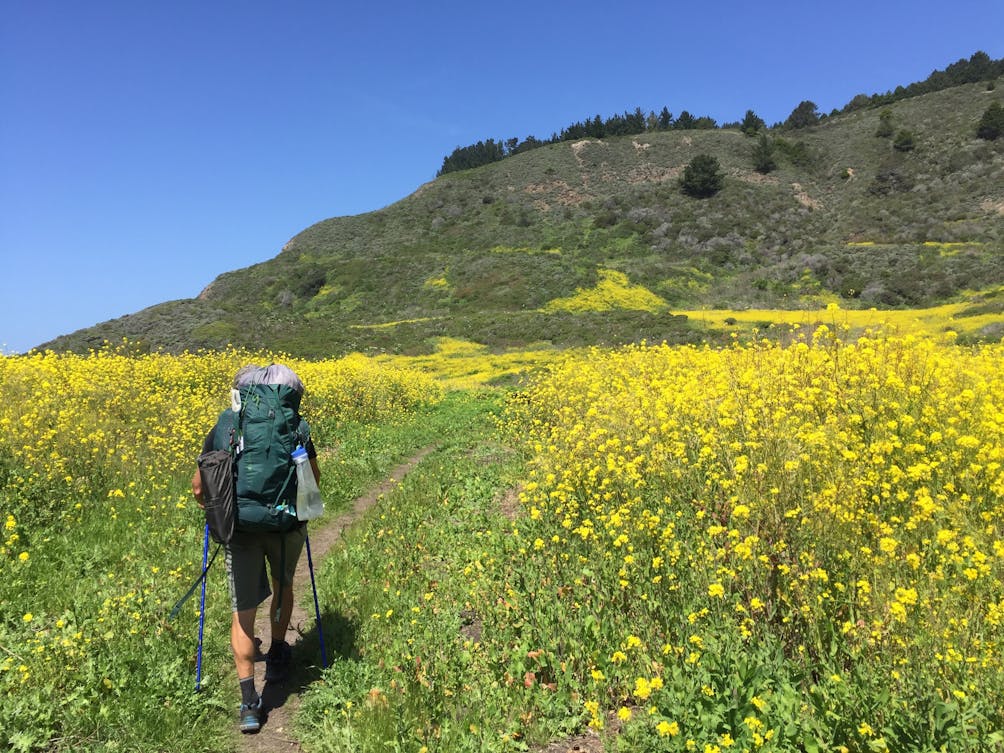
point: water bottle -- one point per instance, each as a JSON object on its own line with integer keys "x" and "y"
{"x": 309, "y": 504}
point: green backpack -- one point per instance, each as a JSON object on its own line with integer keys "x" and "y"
{"x": 261, "y": 436}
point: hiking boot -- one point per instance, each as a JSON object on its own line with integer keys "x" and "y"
{"x": 277, "y": 661}
{"x": 251, "y": 717}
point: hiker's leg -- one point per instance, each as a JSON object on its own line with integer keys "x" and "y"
{"x": 285, "y": 607}
{"x": 283, "y": 555}
{"x": 242, "y": 642}
{"x": 245, "y": 561}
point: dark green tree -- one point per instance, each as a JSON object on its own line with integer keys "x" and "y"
{"x": 685, "y": 121}
{"x": 665, "y": 119}
{"x": 615, "y": 125}
{"x": 991, "y": 125}
{"x": 574, "y": 132}
{"x": 702, "y": 177}
{"x": 635, "y": 121}
{"x": 904, "y": 141}
{"x": 530, "y": 142}
{"x": 803, "y": 116}
{"x": 595, "y": 128}
{"x": 885, "y": 129}
{"x": 796, "y": 152}
{"x": 763, "y": 155}
{"x": 858, "y": 102}
{"x": 752, "y": 124}
{"x": 475, "y": 155}
{"x": 979, "y": 67}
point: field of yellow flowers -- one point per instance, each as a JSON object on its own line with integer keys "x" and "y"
{"x": 767, "y": 548}
{"x": 100, "y": 534}
{"x": 755, "y": 548}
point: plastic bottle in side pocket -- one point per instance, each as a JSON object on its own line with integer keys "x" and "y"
{"x": 309, "y": 504}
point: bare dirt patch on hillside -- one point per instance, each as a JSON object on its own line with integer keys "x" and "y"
{"x": 751, "y": 176}
{"x": 993, "y": 206}
{"x": 557, "y": 191}
{"x": 649, "y": 173}
{"x": 804, "y": 199}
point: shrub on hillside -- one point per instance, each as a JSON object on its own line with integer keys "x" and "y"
{"x": 991, "y": 125}
{"x": 703, "y": 177}
{"x": 803, "y": 116}
{"x": 752, "y": 124}
{"x": 796, "y": 152}
{"x": 885, "y": 129}
{"x": 904, "y": 141}
{"x": 890, "y": 181}
{"x": 763, "y": 155}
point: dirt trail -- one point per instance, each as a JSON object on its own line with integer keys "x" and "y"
{"x": 281, "y": 701}
{"x": 276, "y": 735}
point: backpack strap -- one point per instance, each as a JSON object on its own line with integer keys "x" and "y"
{"x": 233, "y": 443}
{"x": 303, "y": 433}
{"x": 274, "y": 394}
{"x": 277, "y": 617}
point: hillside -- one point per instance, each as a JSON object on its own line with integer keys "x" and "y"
{"x": 530, "y": 249}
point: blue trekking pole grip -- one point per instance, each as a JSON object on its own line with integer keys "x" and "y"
{"x": 317, "y": 608}
{"x": 202, "y": 612}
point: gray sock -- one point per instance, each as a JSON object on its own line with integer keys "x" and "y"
{"x": 249, "y": 696}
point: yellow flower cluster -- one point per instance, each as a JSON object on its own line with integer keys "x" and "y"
{"x": 9, "y": 545}
{"x": 72, "y": 426}
{"x": 958, "y": 317}
{"x": 461, "y": 364}
{"x": 824, "y": 493}
{"x": 613, "y": 291}
{"x": 99, "y": 528}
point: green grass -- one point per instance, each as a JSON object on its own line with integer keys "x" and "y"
{"x": 88, "y": 657}
{"x": 410, "y": 670}
{"x": 92, "y": 662}
{"x": 463, "y": 630}
{"x": 447, "y": 627}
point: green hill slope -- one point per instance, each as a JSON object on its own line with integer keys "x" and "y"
{"x": 594, "y": 242}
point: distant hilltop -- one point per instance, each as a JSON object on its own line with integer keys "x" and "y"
{"x": 607, "y": 237}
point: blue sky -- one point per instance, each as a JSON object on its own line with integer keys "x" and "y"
{"x": 146, "y": 148}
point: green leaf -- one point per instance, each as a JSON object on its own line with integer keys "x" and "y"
{"x": 23, "y": 741}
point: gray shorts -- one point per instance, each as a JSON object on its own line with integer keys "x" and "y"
{"x": 246, "y": 555}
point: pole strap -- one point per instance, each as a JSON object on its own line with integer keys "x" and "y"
{"x": 198, "y": 581}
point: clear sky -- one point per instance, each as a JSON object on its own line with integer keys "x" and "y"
{"x": 146, "y": 147}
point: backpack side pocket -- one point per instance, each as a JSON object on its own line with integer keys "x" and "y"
{"x": 219, "y": 493}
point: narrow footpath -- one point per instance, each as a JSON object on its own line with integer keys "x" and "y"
{"x": 281, "y": 701}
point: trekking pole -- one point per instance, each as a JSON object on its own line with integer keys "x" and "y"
{"x": 202, "y": 613}
{"x": 317, "y": 608}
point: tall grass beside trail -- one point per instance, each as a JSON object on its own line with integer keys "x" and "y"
{"x": 759, "y": 548}
{"x": 412, "y": 589}
{"x": 769, "y": 548}
{"x": 755, "y": 549}
{"x": 101, "y": 535}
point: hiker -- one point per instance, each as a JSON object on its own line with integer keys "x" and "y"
{"x": 251, "y": 546}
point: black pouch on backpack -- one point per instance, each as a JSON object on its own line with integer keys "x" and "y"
{"x": 219, "y": 493}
